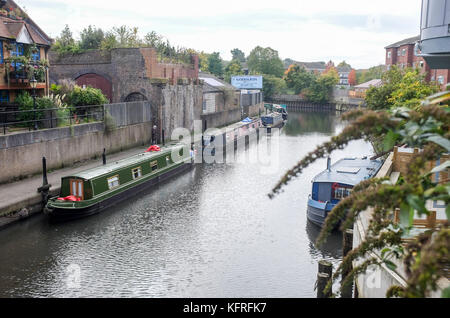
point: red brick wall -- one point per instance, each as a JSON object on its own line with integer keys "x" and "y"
{"x": 173, "y": 72}
{"x": 411, "y": 60}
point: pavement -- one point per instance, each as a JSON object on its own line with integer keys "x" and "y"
{"x": 20, "y": 199}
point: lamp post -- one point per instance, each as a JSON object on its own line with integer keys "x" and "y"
{"x": 33, "y": 83}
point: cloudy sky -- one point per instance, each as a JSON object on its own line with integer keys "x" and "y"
{"x": 305, "y": 30}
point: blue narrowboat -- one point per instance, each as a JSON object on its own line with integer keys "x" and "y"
{"x": 336, "y": 183}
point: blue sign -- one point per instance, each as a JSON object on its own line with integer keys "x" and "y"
{"x": 247, "y": 82}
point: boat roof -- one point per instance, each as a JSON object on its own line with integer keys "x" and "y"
{"x": 275, "y": 114}
{"x": 350, "y": 171}
{"x": 123, "y": 163}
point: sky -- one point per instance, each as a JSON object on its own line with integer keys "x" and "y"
{"x": 304, "y": 30}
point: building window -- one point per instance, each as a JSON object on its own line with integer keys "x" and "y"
{"x": 36, "y": 56}
{"x": 154, "y": 165}
{"x": 440, "y": 80}
{"x": 137, "y": 173}
{"x": 421, "y": 64}
{"x": 17, "y": 51}
{"x": 4, "y": 96}
{"x": 398, "y": 53}
{"x": 113, "y": 182}
{"x": 389, "y": 54}
{"x": 403, "y": 52}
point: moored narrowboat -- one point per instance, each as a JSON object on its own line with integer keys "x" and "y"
{"x": 93, "y": 190}
{"x": 336, "y": 183}
{"x": 272, "y": 120}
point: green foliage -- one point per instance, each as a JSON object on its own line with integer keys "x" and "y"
{"x": 321, "y": 89}
{"x": 344, "y": 64}
{"x": 91, "y": 38}
{"x": 401, "y": 88}
{"x": 426, "y": 258}
{"x": 363, "y": 76}
{"x": 86, "y": 96}
{"x": 238, "y": 55}
{"x": 273, "y": 85}
{"x": 299, "y": 79}
{"x": 215, "y": 65}
{"x": 265, "y": 61}
{"x": 65, "y": 43}
{"x": 232, "y": 69}
{"x": 25, "y": 102}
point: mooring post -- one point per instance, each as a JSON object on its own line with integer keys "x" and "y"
{"x": 104, "y": 156}
{"x": 348, "y": 242}
{"x": 44, "y": 190}
{"x": 346, "y": 248}
{"x": 44, "y": 171}
{"x": 323, "y": 277}
{"x": 163, "y": 138}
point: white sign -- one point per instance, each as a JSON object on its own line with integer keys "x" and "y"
{"x": 247, "y": 82}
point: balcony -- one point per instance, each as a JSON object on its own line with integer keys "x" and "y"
{"x": 21, "y": 70}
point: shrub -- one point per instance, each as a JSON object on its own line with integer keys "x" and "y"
{"x": 86, "y": 96}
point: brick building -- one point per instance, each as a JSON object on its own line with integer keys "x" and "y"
{"x": 21, "y": 38}
{"x": 403, "y": 55}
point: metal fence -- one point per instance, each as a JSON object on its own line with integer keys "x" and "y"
{"x": 49, "y": 117}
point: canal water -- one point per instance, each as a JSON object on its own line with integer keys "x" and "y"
{"x": 211, "y": 232}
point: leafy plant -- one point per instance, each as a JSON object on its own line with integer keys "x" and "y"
{"x": 426, "y": 260}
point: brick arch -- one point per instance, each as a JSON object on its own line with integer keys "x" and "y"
{"x": 135, "y": 96}
{"x": 97, "y": 81}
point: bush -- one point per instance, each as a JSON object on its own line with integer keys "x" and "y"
{"x": 26, "y": 103}
{"x": 86, "y": 96}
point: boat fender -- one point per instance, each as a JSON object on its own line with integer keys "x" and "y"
{"x": 70, "y": 198}
{"x": 154, "y": 148}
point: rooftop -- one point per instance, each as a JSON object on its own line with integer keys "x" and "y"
{"x": 134, "y": 160}
{"x": 369, "y": 84}
{"x": 350, "y": 171}
{"x": 409, "y": 41}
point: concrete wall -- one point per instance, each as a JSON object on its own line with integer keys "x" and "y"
{"x": 220, "y": 119}
{"x": 64, "y": 147}
{"x": 132, "y": 113}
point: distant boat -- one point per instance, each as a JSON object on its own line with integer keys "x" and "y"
{"x": 336, "y": 183}
{"x": 88, "y": 192}
{"x": 272, "y": 120}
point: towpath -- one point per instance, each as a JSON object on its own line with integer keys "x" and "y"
{"x": 23, "y": 194}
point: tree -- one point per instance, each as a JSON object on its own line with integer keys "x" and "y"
{"x": 352, "y": 78}
{"x": 344, "y": 64}
{"x": 298, "y": 78}
{"x": 215, "y": 65}
{"x": 91, "y": 38}
{"x": 238, "y": 55}
{"x": 273, "y": 85}
{"x": 234, "y": 68}
{"x": 400, "y": 87}
{"x": 321, "y": 89}
{"x": 363, "y": 76}
{"x": 65, "y": 43}
{"x": 265, "y": 61}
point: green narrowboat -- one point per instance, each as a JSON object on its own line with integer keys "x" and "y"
{"x": 93, "y": 190}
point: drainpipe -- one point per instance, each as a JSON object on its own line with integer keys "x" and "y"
{"x": 329, "y": 164}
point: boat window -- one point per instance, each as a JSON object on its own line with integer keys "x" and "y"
{"x": 154, "y": 165}
{"x": 167, "y": 160}
{"x": 137, "y": 173}
{"x": 113, "y": 182}
{"x": 341, "y": 193}
{"x": 76, "y": 188}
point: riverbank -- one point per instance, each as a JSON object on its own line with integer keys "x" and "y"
{"x": 20, "y": 200}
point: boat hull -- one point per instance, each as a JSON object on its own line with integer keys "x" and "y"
{"x": 58, "y": 214}
{"x": 317, "y": 212}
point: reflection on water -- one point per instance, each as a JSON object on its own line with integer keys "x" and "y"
{"x": 210, "y": 232}
{"x": 313, "y": 122}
